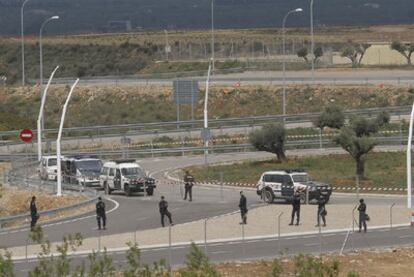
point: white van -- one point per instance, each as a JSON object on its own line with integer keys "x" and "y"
{"x": 48, "y": 168}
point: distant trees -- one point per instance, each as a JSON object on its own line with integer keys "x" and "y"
{"x": 303, "y": 53}
{"x": 405, "y": 49}
{"x": 271, "y": 138}
{"x": 355, "y": 52}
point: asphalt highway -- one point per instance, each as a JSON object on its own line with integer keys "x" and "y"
{"x": 141, "y": 212}
{"x": 351, "y": 76}
{"x": 265, "y": 248}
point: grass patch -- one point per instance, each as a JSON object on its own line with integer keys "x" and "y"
{"x": 383, "y": 169}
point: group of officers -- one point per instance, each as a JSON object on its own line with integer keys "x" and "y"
{"x": 188, "y": 186}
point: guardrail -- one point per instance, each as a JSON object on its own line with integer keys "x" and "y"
{"x": 26, "y": 216}
{"x": 194, "y": 125}
{"x": 310, "y": 143}
{"x": 15, "y": 177}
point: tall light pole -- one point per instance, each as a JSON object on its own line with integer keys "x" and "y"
{"x": 206, "y": 131}
{"x": 212, "y": 35}
{"x": 22, "y": 38}
{"x": 41, "y": 47}
{"x": 312, "y": 42}
{"x": 55, "y": 17}
{"x": 59, "y": 138}
{"x": 409, "y": 180}
{"x": 40, "y": 118}
{"x": 284, "y": 56}
{"x": 167, "y": 45}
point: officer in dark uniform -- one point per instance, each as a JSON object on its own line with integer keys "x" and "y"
{"x": 189, "y": 182}
{"x": 321, "y": 210}
{"x": 163, "y": 207}
{"x": 243, "y": 208}
{"x": 295, "y": 208}
{"x": 101, "y": 213}
{"x": 33, "y": 213}
{"x": 362, "y": 208}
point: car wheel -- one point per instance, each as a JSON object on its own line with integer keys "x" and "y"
{"x": 268, "y": 196}
{"x": 150, "y": 191}
{"x": 127, "y": 190}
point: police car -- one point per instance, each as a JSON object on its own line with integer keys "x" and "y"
{"x": 127, "y": 176}
{"x": 282, "y": 184}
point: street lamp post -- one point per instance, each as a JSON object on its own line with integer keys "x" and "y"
{"x": 22, "y": 38}
{"x": 59, "y": 138}
{"x": 41, "y": 47}
{"x": 312, "y": 42}
{"x": 40, "y": 119}
{"x": 212, "y": 35}
{"x": 41, "y": 58}
{"x": 167, "y": 45}
{"x": 284, "y": 56}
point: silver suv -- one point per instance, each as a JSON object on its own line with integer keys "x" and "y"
{"x": 282, "y": 184}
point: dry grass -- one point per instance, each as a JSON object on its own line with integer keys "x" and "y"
{"x": 322, "y": 35}
{"x": 17, "y": 201}
{"x": 390, "y": 263}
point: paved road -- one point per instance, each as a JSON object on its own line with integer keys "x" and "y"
{"x": 141, "y": 212}
{"x": 262, "y": 248}
{"x": 352, "y": 76}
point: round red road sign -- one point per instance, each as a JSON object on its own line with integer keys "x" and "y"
{"x": 26, "y": 135}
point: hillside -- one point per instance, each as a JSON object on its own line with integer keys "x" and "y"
{"x": 121, "y": 105}
{"x": 94, "y": 15}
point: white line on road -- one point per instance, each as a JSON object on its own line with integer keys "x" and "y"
{"x": 311, "y": 244}
{"x": 404, "y": 237}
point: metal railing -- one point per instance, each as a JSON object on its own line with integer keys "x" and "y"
{"x": 193, "y": 125}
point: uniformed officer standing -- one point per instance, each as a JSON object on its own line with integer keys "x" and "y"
{"x": 163, "y": 207}
{"x": 189, "y": 182}
{"x": 101, "y": 213}
{"x": 243, "y": 208}
{"x": 362, "y": 208}
{"x": 321, "y": 211}
{"x": 33, "y": 213}
{"x": 295, "y": 208}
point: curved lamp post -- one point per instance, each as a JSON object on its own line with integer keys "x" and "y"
{"x": 284, "y": 54}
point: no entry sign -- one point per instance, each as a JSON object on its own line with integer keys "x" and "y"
{"x": 26, "y": 135}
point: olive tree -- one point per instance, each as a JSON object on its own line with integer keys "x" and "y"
{"x": 357, "y": 141}
{"x": 271, "y": 138}
{"x": 303, "y": 53}
{"x": 331, "y": 117}
{"x": 405, "y": 49}
{"x": 355, "y": 52}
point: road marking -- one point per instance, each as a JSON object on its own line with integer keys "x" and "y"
{"x": 329, "y": 235}
{"x": 308, "y": 237}
{"x": 219, "y": 252}
{"x": 404, "y": 237}
{"x": 311, "y": 244}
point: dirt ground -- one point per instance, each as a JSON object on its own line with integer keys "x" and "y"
{"x": 390, "y": 263}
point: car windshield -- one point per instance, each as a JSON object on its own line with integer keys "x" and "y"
{"x": 302, "y": 178}
{"x": 133, "y": 171}
{"x": 52, "y": 162}
{"x": 90, "y": 165}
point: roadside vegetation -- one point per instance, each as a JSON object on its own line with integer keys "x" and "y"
{"x": 91, "y": 106}
{"x": 197, "y": 264}
{"x": 383, "y": 169}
